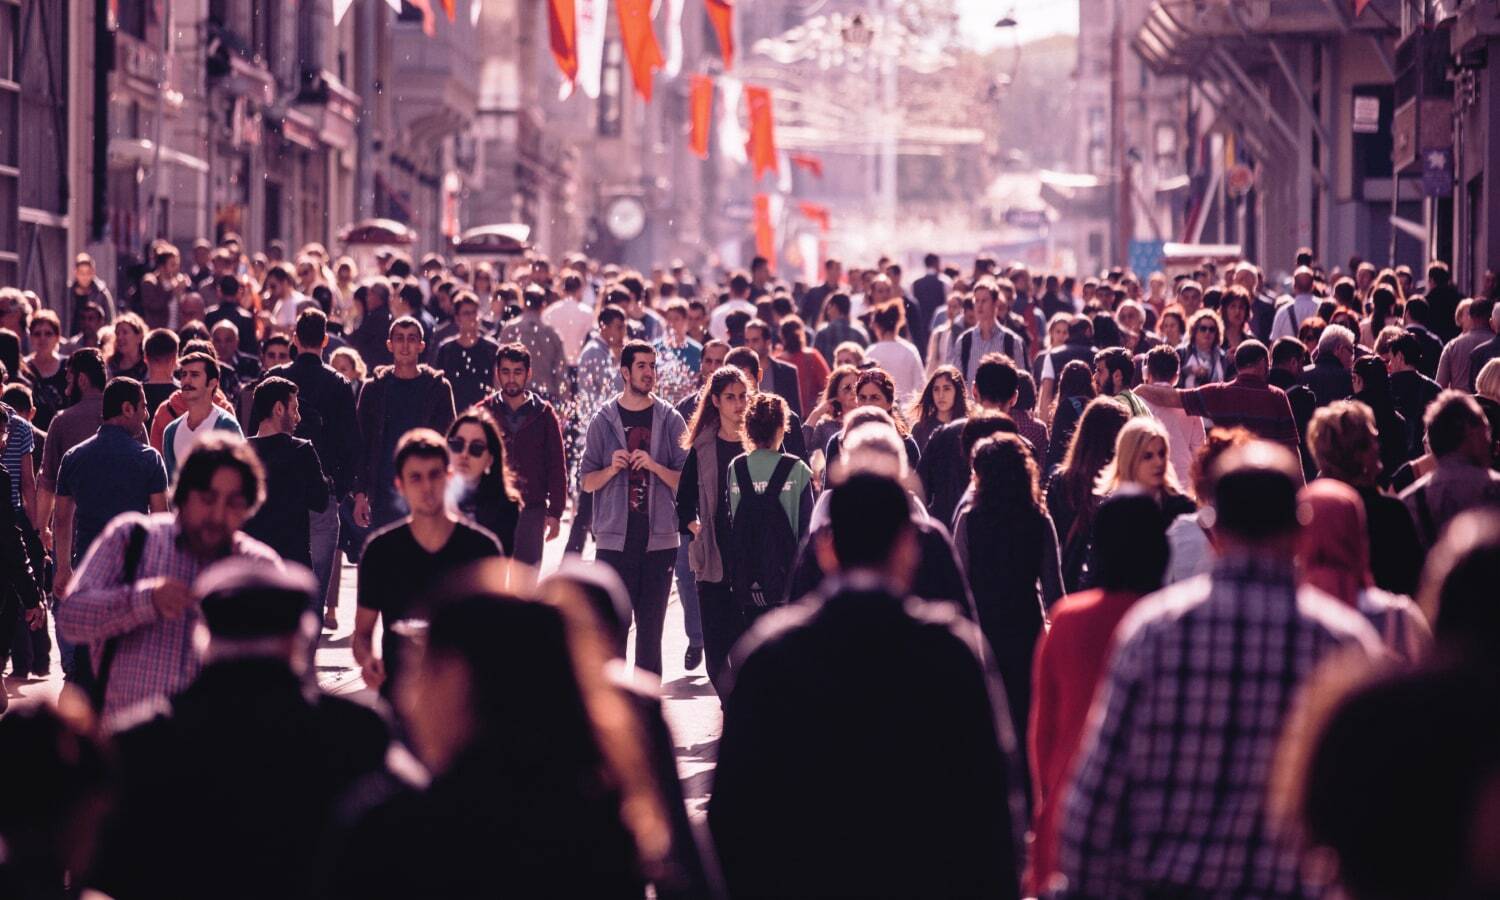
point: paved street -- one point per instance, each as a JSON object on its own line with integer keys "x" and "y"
{"x": 692, "y": 708}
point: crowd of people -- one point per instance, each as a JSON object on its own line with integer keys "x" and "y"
{"x": 1008, "y": 584}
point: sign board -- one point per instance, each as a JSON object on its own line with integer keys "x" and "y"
{"x": 1437, "y": 173}
{"x": 1017, "y": 217}
{"x": 1366, "y": 114}
{"x": 1146, "y": 257}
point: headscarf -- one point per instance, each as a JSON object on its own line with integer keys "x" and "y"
{"x": 1333, "y": 549}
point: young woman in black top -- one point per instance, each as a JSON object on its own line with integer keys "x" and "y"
{"x": 943, "y": 400}
{"x": 488, "y": 492}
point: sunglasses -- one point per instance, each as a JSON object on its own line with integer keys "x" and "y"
{"x": 477, "y": 449}
{"x": 1206, "y": 329}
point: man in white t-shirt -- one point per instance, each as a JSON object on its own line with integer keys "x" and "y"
{"x": 1302, "y": 305}
{"x": 570, "y": 317}
{"x": 286, "y": 300}
{"x": 739, "y": 301}
{"x": 1184, "y": 432}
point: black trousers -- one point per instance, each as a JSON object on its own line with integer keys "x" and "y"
{"x": 648, "y": 581}
{"x": 724, "y": 623}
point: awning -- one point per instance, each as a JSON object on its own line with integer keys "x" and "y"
{"x": 141, "y": 151}
{"x": 377, "y": 231}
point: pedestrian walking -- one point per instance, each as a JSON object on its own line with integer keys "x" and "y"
{"x": 79, "y": 421}
{"x": 244, "y": 746}
{"x": 486, "y": 491}
{"x": 632, "y": 459}
{"x": 894, "y": 694}
{"x": 404, "y": 560}
{"x": 1070, "y": 494}
{"x": 533, "y": 452}
{"x": 296, "y": 486}
{"x": 549, "y": 360}
{"x": 1458, "y": 435}
{"x": 1134, "y": 756}
{"x": 399, "y": 398}
{"x": 199, "y": 376}
{"x": 467, "y": 359}
{"x": 770, "y": 506}
{"x": 132, "y": 599}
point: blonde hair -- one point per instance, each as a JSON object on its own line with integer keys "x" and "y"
{"x": 1129, "y": 445}
{"x": 355, "y": 360}
{"x": 1487, "y": 382}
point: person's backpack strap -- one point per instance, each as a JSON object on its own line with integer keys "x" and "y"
{"x": 135, "y": 548}
{"x": 965, "y": 347}
{"x": 779, "y": 477}
{"x": 742, "y": 477}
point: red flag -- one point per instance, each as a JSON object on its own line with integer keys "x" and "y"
{"x": 816, "y": 212}
{"x": 762, "y": 143}
{"x": 1359, "y": 7}
{"x": 765, "y": 232}
{"x": 562, "y": 27}
{"x": 429, "y": 21}
{"x": 641, "y": 48}
{"x": 701, "y": 101}
{"x": 451, "y": 8}
{"x": 812, "y": 164}
{"x": 721, "y": 15}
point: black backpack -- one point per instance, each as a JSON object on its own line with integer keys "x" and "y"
{"x": 763, "y": 546}
{"x": 966, "y": 346}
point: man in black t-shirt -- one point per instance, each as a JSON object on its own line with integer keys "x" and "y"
{"x": 405, "y": 559}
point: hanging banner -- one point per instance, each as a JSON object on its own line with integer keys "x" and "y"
{"x": 731, "y": 135}
{"x": 816, "y": 212}
{"x": 701, "y": 102}
{"x": 592, "y": 25}
{"x": 429, "y": 19}
{"x": 762, "y": 144}
{"x": 765, "y": 232}
{"x": 721, "y": 16}
{"x": 808, "y": 163}
{"x": 673, "y": 8}
{"x": 562, "y": 30}
{"x": 451, "y": 8}
{"x": 641, "y": 49}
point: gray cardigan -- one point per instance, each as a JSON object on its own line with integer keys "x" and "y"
{"x": 703, "y": 552}
{"x": 611, "y": 502}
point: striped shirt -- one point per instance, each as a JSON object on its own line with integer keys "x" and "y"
{"x": 154, "y": 657}
{"x": 21, "y": 440}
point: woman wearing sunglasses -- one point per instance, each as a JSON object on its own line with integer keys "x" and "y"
{"x": 485, "y": 489}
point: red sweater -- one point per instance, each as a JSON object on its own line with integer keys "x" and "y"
{"x": 1070, "y": 660}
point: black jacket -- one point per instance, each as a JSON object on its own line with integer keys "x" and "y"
{"x": 914, "y": 786}
{"x": 944, "y": 471}
{"x": 437, "y": 404}
{"x": 233, "y": 792}
{"x": 787, "y": 385}
{"x": 328, "y": 419}
{"x": 939, "y": 575}
{"x": 1431, "y": 347}
{"x": 931, "y": 294}
{"x": 295, "y": 486}
{"x": 1328, "y": 380}
{"x": 1412, "y": 391}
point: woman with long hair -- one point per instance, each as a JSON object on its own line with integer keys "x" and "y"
{"x": 1070, "y": 493}
{"x": 713, "y": 438}
{"x": 757, "y": 470}
{"x": 125, "y": 356}
{"x": 488, "y": 494}
{"x": 541, "y": 781}
{"x": 1075, "y": 388}
{"x": 1372, "y": 387}
{"x": 1384, "y": 307}
{"x": 1171, "y": 325}
{"x": 45, "y": 370}
{"x": 1142, "y": 460}
{"x": 1008, "y": 547}
{"x": 875, "y": 387}
{"x": 827, "y": 418}
{"x": 1235, "y": 311}
{"x": 1202, "y": 354}
{"x": 943, "y": 400}
{"x": 894, "y": 353}
{"x": 812, "y": 369}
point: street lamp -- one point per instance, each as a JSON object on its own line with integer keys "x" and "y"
{"x": 1007, "y": 21}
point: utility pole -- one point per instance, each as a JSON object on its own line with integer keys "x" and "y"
{"x": 1123, "y": 230}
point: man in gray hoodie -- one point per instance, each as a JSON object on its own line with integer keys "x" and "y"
{"x": 632, "y": 458}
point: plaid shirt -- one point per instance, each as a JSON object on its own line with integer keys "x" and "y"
{"x": 1169, "y": 797}
{"x": 155, "y": 657}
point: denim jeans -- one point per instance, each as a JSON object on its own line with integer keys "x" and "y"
{"x": 323, "y": 529}
{"x": 687, "y": 592}
{"x": 531, "y": 536}
{"x": 583, "y": 521}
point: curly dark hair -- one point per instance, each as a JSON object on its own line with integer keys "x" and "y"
{"x": 926, "y": 408}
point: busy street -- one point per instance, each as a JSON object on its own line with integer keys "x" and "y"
{"x": 667, "y": 449}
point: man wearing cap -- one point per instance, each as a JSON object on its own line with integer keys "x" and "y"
{"x": 140, "y": 625}
{"x": 1170, "y": 791}
{"x": 247, "y": 747}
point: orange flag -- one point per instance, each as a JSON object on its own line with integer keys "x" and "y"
{"x": 429, "y": 20}
{"x": 701, "y": 101}
{"x": 721, "y": 15}
{"x": 562, "y": 27}
{"x": 641, "y": 48}
{"x": 451, "y": 8}
{"x": 816, "y": 212}
{"x": 762, "y": 143}
{"x": 812, "y": 164}
{"x": 765, "y": 233}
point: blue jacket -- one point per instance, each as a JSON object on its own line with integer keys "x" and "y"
{"x": 611, "y": 504}
{"x": 223, "y": 421}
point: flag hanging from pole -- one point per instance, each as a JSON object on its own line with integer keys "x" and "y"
{"x": 673, "y": 15}
{"x": 562, "y": 29}
{"x": 816, "y": 212}
{"x": 1359, "y": 7}
{"x": 592, "y": 25}
{"x": 721, "y": 16}
{"x": 429, "y": 19}
{"x": 762, "y": 145}
{"x": 701, "y": 101}
{"x": 808, "y": 163}
{"x": 765, "y": 232}
{"x": 451, "y": 8}
{"x": 641, "y": 49}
